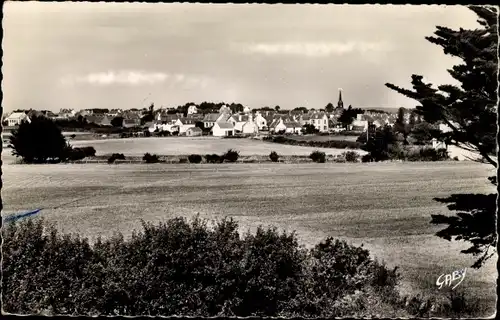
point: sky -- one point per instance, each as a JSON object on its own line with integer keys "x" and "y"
{"x": 128, "y": 55}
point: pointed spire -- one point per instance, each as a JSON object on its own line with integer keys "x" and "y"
{"x": 340, "y": 104}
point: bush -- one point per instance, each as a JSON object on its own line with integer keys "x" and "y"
{"x": 186, "y": 269}
{"x": 335, "y": 144}
{"x": 274, "y": 156}
{"x": 89, "y": 151}
{"x": 318, "y": 156}
{"x": 351, "y": 156}
{"x": 149, "y": 158}
{"x": 231, "y": 155}
{"x": 116, "y": 156}
{"x": 214, "y": 158}
{"x": 366, "y": 158}
{"x": 75, "y": 154}
{"x": 195, "y": 158}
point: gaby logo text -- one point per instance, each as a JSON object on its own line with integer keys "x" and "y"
{"x": 456, "y": 277}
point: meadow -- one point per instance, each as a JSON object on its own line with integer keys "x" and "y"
{"x": 385, "y": 206}
{"x": 198, "y": 145}
{"x": 324, "y": 138}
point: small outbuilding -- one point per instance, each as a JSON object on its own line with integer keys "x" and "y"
{"x": 194, "y": 132}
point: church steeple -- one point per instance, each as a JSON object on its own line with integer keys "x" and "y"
{"x": 340, "y": 104}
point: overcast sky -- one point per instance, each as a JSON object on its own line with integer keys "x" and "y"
{"x": 107, "y": 55}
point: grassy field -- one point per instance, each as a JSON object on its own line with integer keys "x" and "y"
{"x": 199, "y": 145}
{"x": 324, "y": 138}
{"x": 384, "y": 206}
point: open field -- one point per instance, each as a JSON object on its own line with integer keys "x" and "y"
{"x": 324, "y": 138}
{"x": 386, "y": 206}
{"x": 199, "y": 145}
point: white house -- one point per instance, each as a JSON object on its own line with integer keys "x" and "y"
{"x": 192, "y": 109}
{"x": 225, "y": 109}
{"x": 246, "y": 110}
{"x": 15, "y": 118}
{"x": 239, "y": 120}
{"x": 287, "y": 126}
{"x": 359, "y": 122}
{"x": 444, "y": 128}
{"x": 194, "y": 132}
{"x": 184, "y": 124}
{"x": 260, "y": 121}
{"x": 319, "y": 120}
{"x": 210, "y": 119}
{"x": 223, "y": 129}
{"x": 249, "y": 127}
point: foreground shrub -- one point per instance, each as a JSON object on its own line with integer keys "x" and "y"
{"x": 231, "y": 155}
{"x": 150, "y": 158}
{"x": 274, "y": 156}
{"x": 185, "y": 268}
{"x": 318, "y": 156}
{"x": 195, "y": 158}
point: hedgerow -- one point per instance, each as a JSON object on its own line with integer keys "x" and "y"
{"x": 189, "y": 269}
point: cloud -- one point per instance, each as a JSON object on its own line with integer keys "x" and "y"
{"x": 134, "y": 78}
{"x": 316, "y": 49}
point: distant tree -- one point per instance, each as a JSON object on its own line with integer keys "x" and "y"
{"x": 469, "y": 110}
{"x": 149, "y": 115}
{"x": 318, "y": 156}
{"x": 400, "y": 126}
{"x": 309, "y": 129}
{"x": 200, "y": 124}
{"x": 150, "y": 158}
{"x": 301, "y": 109}
{"x": 195, "y": 158}
{"x": 236, "y": 107}
{"x": 80, "y": 119}
{"x": 274, "y": 156}
{"x": 423, "y": 133}
{"x": 329, "y": 107}
{"x": 412, "y": 120}
{"x": 348, "y": 115}
{"x": 117, "y": 122}
{"x": 379, "y": 143}
{"x": 39, "y": 141}
{"x": 231, "y": 155}
{"x": 5, "y": 123}
{"x": 277, "y": 108}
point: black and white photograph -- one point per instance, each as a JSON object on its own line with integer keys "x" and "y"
{"x": 249, "y": 160}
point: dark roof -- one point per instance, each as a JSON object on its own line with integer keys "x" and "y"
{"x": 225, "y": 125}
{"x": 187, "y": 121}
{"x": 195, "y": 129}
{"x": 292, "y": 124}
{"x": 211, "y": 117}
{"x": 131, "y": 121}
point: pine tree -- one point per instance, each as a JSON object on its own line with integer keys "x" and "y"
{"x": 470, "y": 111}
